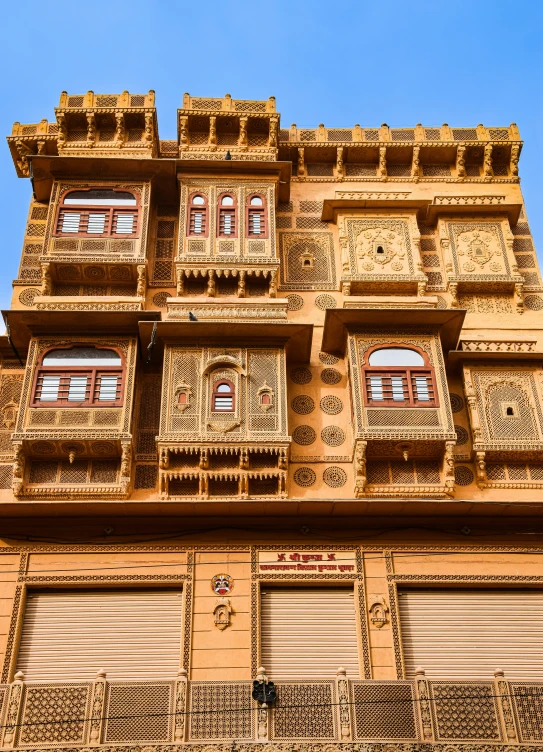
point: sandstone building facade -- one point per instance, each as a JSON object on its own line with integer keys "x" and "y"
{"x": 271, "y": 410}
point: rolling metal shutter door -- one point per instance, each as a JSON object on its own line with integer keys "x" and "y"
{"x": 130, "y": 634}
{"x": 308, "y": 632}
{"x": 467, "y": 634}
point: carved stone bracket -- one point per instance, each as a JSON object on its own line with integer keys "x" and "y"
{"x": 180, "y": 705}
{"x": 425, "y": 713}
{"x": 97, "y": 707}
{"x": 344, "y": 706}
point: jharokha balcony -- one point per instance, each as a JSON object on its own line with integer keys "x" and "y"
{"x": 403, "y": 715}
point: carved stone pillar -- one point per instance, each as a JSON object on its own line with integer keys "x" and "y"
{"x": 480, "y": 466}
{"x": 502, "y": 690}
{"x": 141, "y": 287}
{"x": 262, "y": 712}
{"x": 472, "y": 407}
{"x": 360, "y": 468}
{"x": 515, "y": 155}
{"x": 91, "y": 129}
{"x": 519, "y": 299}
{"x": 272, "y": 139}
{"x": 149, "y": 129}
{"x": 301, "y": 162}
{"x": 241, "y": 283}
{"x": 344, "y": 706}
{"x": 213, "y": 133}
{"x": 243, "y": 139}
{"x": 126, "y": 465}
{"x": 97, "y": 707}
{"x": 180, "y": 705}
{"x": 180, "y": 274}
{"x": 13, "y": 713}
{"x": 184, "y": 132}
{"x": 46, "y": 281}
{"x": 423, "y": 705}
{"x": 461, "y": 162}
{"x": 448, "y": 467}
{"x": 415, "y": 164}
{"x": 340, "y": 164}
{"x": 382, "y": 170}
{"x": 487, "y": 163}
{"x": 120, "y": 129}
{"x": 211, "y": 285}
{"x": 272, "y": 290}
{"x": 19, "y": 461}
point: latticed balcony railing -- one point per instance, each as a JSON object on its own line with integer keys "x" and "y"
{"x": 327, "y": 711}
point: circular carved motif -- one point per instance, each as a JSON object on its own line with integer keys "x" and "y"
{"x": 368, "y": 265}
{"x": 331, "y": 405}
{"x": 334, "y": 477}
{"x": 43, "y": 447}
{"x": 330, "y": 376}
{"x": 120, "y": 273}
{"x": 463, "y": 476}
{"x": 333, "y": 435}
{"x": 328, "y": 360}
{"x": 533, "y": 302}
{"x": 95, "y": 272}
{"x": 295, "y": 302}
{"x": 304, "y": 435}
{"x": 495, "y": 267}
{"x": 461, "y": 435}
{"x": 397, "y": 266}
{"x": 160, "y": 299}
{"x": 73, "y": 446}
{"x": 303, "y": 404}
{"x": 304, "y": 476}
{"x": 301, "y": 375}
{"x": 325, "y": 301}
{"x": 68, "y": 272}
{"x": 27, "y": 296}
{"x": 469, "y": 266}
{"x": 441, "y": 302}
{"x": 457, "y": 403}
{"x": 103, "y": 447}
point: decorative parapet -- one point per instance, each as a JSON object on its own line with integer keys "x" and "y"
{"x": 406, "y": 715}
{"x": 250, "y": 309}
{"x": 505, "y": 346}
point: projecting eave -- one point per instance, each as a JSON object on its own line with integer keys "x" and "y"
{"x": 455, "y": 358}
{"x": 296, "y": 338}
{"x": 371, "y": 200}
{"x": 23, "y": 325}
{"x": 280, "y": 171}
{"x": 338, "y": 323}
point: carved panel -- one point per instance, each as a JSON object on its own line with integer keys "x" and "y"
{"x": 384, "y": 711}
{"x": 465, "y": 711}
{"x": 139, "y": 712}
{"x": 307, "y": 261}
{"x": 290, "y": 719}
{"x": 54, "y": 714}
{"x": 220, "y": 710}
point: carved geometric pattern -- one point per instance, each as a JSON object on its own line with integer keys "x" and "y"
{"x": 463, "y": 476}
{"x": 333, "y": 435}
{"x": 398, "y": 417}
{"x": 330, "y": 376}
{"x": 220, "y": 710}
{"x": 528, "y": 702}
{"x": 6, "y": 476}
{"x": 331, "y": 405}
{"x": 514, "y": 473}
{"x": 304, "y": 435}
{"x": 295, "y": 302}
{"x": 160, "y": 298}
{"x": 441, "y": 302}
{"x": 335, "y": 477}
{"x": 442, "y": 170}
{"x": 138, "y": 712}
{"x": 303, "y": 404}
{"x": 305, "y": 476}
{"x": 325, "y": 301}
{"x": 28, "y": 296}
{"x": 399, "y": 472}
{"x": 328, "y": 360}
{"x": 457, "y": 403}
{"x": 311, "y": 207}
{"x": 146, "y": 476}
{"x": 291, "y": 719}
{"x": 301, "y": 375}
{"x": 384, "y": 712}
{"x": 307, "y": 260}
{"x": 465, "y": 711}
{"x": 534, "y": 302}
{"x": 461, "y": 435}
{"x": 54, "y": 715}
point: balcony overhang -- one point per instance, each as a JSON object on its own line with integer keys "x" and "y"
{"x": 44, "y": 169}
{"x": 338, "y": 323}
{"x": 296, "y": 338}
{"x": 23, "y": 325}
{"x": 280, "y": 171}
{"x": 456, "y": 358}
{"x": 427, "y": 210}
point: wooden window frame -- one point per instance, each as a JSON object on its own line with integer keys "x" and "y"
{"x": 222, "y": 210}
{"x": 215, "y": 393}
{"x": 262, "y": 210}
{"x": 408, "y": 374}
{"x": 109, "y": 211}
{"x": 94, "y": 372}
{"x": 204, "y": 208}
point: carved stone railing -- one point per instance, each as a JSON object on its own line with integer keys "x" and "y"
{"x": 496, "y": 713}
{"x": 418, "y": 133}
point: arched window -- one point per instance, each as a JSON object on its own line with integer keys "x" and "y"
{"x": 399, "y": 376}
{"x": 256, "y": 217}
{"x": 79, "y": 376}
{"x": 98, "y": 212}
{"x": 197, "y": 215}
{"x": 227, "y": 225}
{"x": 223, "y": 396}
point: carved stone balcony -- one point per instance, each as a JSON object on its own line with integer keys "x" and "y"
{"x": 418, "y": 714}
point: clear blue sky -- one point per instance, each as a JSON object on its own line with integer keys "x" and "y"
{"x": 339, "y": 63}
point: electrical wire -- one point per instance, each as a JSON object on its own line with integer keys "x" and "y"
{"x": 277, "y": 708}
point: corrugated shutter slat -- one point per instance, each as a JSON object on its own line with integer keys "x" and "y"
{"x": 308, "y": 632}
{"x": 130, "y": 634}
{"x": 467, "y": 634}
